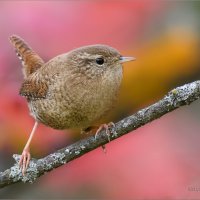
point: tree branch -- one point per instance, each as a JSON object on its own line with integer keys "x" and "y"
{"x": 180, "y": 96}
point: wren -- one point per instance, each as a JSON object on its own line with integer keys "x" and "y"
{"x": 72, "y": 90}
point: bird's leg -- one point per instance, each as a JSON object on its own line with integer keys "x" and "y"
{"x": 26, "y": 156}
{"x": 106, "y": 127}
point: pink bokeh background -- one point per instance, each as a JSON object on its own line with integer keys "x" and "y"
{"x": 157, "y": 161}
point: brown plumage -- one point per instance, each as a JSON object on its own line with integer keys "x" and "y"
{"x": 72, "y": 90}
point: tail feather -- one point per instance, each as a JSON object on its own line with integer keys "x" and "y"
{"x": 30, "y": 60}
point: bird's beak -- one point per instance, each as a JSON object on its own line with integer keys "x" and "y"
{"x": 126, "y": 59}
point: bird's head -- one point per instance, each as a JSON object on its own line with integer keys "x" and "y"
{"x": 94, "y": 60}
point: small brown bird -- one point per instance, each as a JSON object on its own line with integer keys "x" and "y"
{"x": 72, "y": 90}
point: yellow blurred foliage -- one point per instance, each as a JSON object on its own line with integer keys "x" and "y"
{"x": 159, "y": 66}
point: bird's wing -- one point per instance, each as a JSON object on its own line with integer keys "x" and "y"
{"x": 30, "y": 60}
{"x": 34, "y": 89}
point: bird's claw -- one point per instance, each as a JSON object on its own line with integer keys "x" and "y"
{"x": 106, "y": 127}
{"x": 24, "y": 160}
{"x": 104, "y": 148}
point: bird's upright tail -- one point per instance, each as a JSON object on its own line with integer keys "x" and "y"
{"x": 30, "y": 60}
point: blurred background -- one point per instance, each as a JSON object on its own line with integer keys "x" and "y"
{"x": 158, "y": 161}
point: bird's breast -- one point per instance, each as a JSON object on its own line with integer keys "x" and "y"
{"x": 78, "y": 103}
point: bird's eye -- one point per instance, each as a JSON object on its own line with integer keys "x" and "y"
{"x": 99, "y": 61}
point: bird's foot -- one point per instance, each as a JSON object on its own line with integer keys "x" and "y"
{"x": 106, "y": 127}
{"x": 24, "y": 160}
